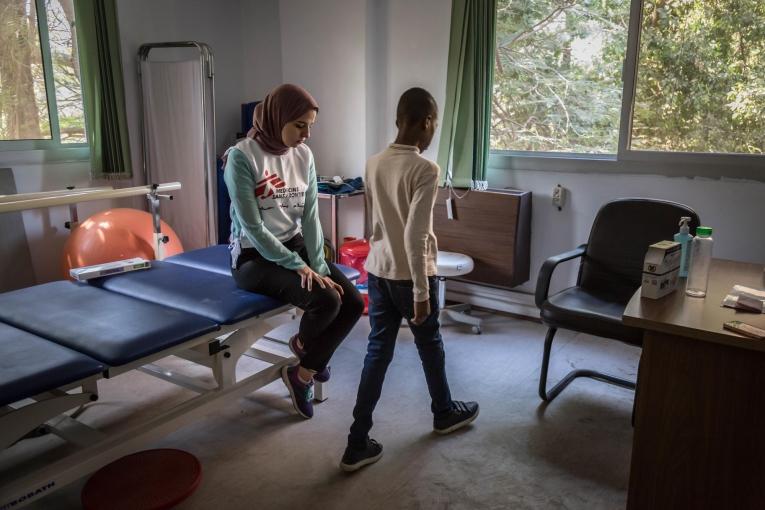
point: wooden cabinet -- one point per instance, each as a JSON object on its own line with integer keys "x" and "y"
{"x": 493, "y": 227}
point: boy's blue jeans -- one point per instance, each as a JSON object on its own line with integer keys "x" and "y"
{"x": 389, "y": 302}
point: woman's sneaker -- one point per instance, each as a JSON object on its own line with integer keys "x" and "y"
{"x": 354, "y": 459}
{"x": 300, "y": 392}
{"x": 322, "y": 376}
{"x": 461, "y": 414}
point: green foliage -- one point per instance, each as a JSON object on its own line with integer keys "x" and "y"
{"x": 22, "y": 99}
{"x": 701, "y": 77}
{"x": 557, "y": 83}
{"x": 24, "y": 108}
{"x": 700, "y": 81}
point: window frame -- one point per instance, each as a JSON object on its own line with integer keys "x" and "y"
{"x": 53, "y": 149}
{"x": 627, "y": 161}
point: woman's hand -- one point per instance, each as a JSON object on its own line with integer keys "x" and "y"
{"x": 332, "y": 284}
{"x": 308, "y": 276}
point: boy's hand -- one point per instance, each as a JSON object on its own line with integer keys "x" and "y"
{"x": 421, "y": 311}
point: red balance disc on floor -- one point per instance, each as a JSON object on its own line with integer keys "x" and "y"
{"x": 151, "y": 479}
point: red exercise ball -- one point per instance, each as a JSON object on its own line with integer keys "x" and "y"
{"x": 115, "y": 234}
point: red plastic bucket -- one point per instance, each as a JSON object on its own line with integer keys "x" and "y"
{"x": 354, "y": 253}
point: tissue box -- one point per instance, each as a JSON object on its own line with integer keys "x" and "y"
{"x": 660, "y": 269}
{"x": 662, "y": 257}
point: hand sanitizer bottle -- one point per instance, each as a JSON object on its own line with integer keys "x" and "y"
{"x": 701, "y": 259}
{"x": 684, "y": 238}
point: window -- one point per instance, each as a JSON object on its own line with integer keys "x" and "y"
{"x": 630, "y": 80}
{"x": 701, "y": 77}
{"x": 40, "y": 95}
{"x": 557, "y": 81}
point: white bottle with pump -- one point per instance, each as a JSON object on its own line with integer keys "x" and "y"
{"x": 701, "y": 259}
{"x": 684, "y": 238}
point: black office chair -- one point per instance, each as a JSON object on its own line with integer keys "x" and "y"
{"x": 609, "y": 274}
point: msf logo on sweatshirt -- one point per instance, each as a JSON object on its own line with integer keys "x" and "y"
{"x": 266, "y": 187}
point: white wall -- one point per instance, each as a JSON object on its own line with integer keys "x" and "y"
{"x": 261, "y": 48}
{"x": 323, "y": 50}
{"x": 245, "y": 40}
{"x": 356, "y": 58}
{"x": 417, "y": 56}
{"x": 228, "y": 27}
{"x": 45, "y": 230}
{"x": 733, "y": 208}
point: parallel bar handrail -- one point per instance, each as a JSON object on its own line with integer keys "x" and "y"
{"x": 74, "y": 197}
{"x": 42, "y": 194}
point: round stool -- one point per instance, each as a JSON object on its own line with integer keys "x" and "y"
{"x": 148, "y": 480}
{"x": 450, "y": 264}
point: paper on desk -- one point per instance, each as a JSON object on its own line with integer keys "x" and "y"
{"x": 745, "y": 298}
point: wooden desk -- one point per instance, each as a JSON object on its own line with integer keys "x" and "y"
{"x": 700, "y": 402}
{"x": 493, "y": 227}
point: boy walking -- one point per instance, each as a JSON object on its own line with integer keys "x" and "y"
{"x": 400, "y": 192}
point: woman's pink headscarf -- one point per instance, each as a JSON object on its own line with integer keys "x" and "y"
{"x": 283, "y": 104}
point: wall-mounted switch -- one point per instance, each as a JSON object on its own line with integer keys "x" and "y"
{"x": 559, "y": 196}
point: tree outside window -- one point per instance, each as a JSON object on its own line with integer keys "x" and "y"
{"x": 701, "y": 77}
{"x": 699, "y": 87}
{"x": 557, "y": 85}
{"x": 40, "y": 93}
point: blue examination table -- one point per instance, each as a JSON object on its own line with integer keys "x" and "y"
{"x": 59, "y": 339}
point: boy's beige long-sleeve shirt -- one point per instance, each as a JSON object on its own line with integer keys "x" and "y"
{"x": 400, "y": 193}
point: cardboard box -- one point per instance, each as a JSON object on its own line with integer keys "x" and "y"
{"x": 662, "y": 257}
{"x": 661, "y": 269}
{"x": 656, "y": 286}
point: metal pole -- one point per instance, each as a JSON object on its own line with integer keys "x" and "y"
{"x": 73, "y": 197}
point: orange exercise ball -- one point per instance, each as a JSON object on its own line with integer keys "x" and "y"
{"x": 115, "y": 234}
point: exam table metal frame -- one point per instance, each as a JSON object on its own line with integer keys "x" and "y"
{"x": 219, "y": 350}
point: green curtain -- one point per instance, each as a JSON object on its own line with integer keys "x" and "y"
{"x": 463, "y": 149}
{"x": 102, "y": 88}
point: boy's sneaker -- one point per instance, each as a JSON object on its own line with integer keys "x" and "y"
{"x": 322, "y": 376}
{"x": 462, "y": 413}
{"x": 300, "y": 392}
{"x": 354, "y": 459}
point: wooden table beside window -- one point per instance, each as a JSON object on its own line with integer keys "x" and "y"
{"x": 700, "y": 403}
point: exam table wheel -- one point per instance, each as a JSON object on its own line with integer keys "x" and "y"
{"x": 477, "y": 330}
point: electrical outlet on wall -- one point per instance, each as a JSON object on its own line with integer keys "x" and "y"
{"x": 559, "y": 196}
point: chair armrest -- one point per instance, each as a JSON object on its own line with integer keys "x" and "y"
{"x": 545, "y": 273}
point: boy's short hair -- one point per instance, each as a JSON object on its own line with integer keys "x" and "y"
{"x": 415, "y": 105}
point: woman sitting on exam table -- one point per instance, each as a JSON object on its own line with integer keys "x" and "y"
{"x": 277, "y": 245}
